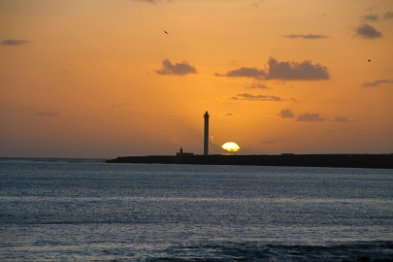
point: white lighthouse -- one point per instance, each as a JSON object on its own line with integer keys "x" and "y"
{"x": 206, "y": 135}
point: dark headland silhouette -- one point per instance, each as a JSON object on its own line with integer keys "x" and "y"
{"x": 305, "y": 160}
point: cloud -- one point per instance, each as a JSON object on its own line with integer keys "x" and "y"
{"x": 258, "y": 86}
{"x": 47, "y": 114}
{"x": 388, "y": 15}
{"x": 371, "y": 17}
{"x": 286, "y": 113}
{"x": 244, "y": 72}
{"x": 283, "y": 70}
{"x": 180, "y": 69}
{"x": 306, "y": 36}
{"x": 341, "y": 119}
{"x": 305, "y": 70}
{"x": 377, "y": 83}
{"x": 310, "y": 117}
{"x": 251, "y": 97}
{"x": 14, "y": 42}
{"x": 367, "y": 31}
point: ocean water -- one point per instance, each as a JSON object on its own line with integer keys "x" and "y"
{"x": 87, "y": 210}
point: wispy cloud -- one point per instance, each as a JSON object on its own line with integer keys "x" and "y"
{"x": 286, "y": 70}
{"x": 377, "y": 83}
{"x": 367, "y": 31}
{"x": 306, "y": 36}
{"x": 286, "y": 113}
{"x": 341, "y": 119}
{"x": 371, "y": 17}
{"x": 258, "y": 86}
{"x": 179, "y": 69}
{"x": 310, "y": 117}
{"x": 14, "y": 42}
{"x": 257, "y": 3}
{"x": 251, "y": 97}
{"x": 377, "y": 17}
{"x": 388, "y": 15}
{"x": 250, "y": 72}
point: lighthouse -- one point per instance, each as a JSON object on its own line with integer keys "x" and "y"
{"x": 206, "y": 135}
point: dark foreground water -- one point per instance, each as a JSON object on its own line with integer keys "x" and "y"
{"x": 79, "y": 210}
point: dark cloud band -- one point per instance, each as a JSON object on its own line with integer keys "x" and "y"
{"x": 310, "y": 117}
{"x": 244, "y": 72}
{"x": 251, "y": 97}
{"x": 377, "y": 83}
{"x": 14, "y": 42}
{"x": 305, "y": 36}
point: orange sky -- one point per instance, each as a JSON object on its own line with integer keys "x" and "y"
{"x": 101, "y": 78}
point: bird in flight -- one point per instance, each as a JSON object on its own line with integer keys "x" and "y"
{"x": 166, "y": 32}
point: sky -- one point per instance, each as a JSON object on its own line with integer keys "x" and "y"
{"x": 107, "y": 78}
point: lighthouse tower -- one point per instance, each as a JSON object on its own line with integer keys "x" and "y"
{"x": 206, "y": 135}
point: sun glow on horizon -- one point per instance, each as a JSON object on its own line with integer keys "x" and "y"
{"x": 230, "y": 147}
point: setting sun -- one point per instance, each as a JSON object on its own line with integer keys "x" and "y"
{"x": 230, "y": 147}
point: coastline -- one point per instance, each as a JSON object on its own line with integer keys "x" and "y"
{"x": 378, "y": 161}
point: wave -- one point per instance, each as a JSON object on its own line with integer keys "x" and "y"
{"x": 357, "y": 251}
{"x": 367, "y": 251}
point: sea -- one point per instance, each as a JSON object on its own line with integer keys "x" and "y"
{"x": 88, "y": 210}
